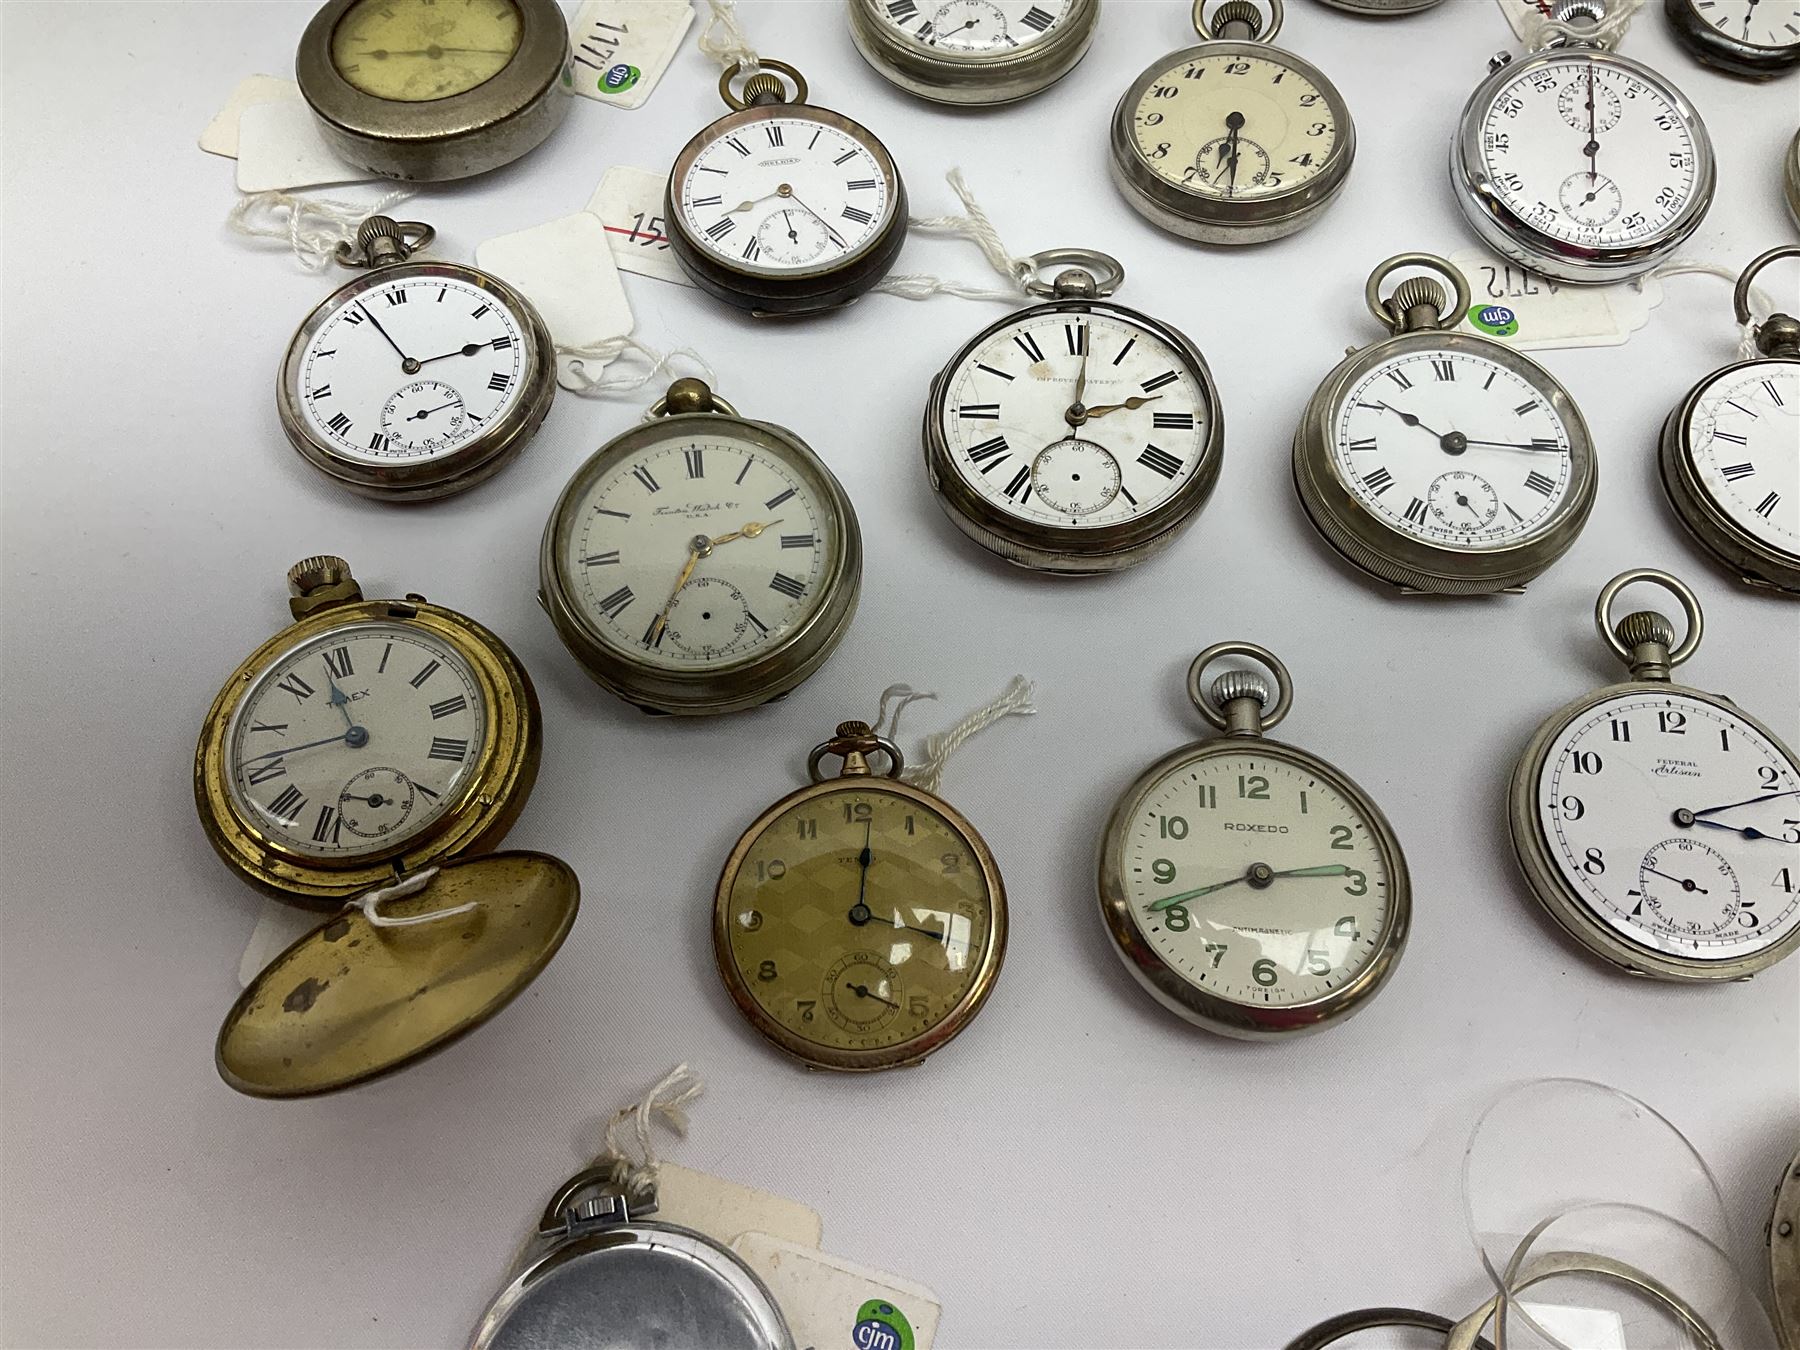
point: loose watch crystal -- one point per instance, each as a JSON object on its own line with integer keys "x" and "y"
{"x": 1757, "y": 39}
{"x": 973, "y": 51}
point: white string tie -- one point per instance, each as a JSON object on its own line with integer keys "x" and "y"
{"x": 887, "y": 723}
{"x": 633, "y": 1161}
{"x": 724, "y": 41}
{"x": 1013, "y": 701}
{"x": 572, "y": 370}
{"x": 312, "y": 227}
{"x": 1541, "y": 30}
{"x": 1761, "y": 306}
{"x": 371, "y": 902}
{"x": 973, "y": 225}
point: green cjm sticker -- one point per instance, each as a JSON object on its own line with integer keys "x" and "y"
{"x": 881, "y": 1326}
{"x": 1494, "y": 320}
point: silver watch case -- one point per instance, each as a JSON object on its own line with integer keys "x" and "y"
{"x": 1412, "y": 565}
{"x": 1721, "y": 51}
{"x": 1516, "y": 239}
{"x": 444, "y": 475}
{"x": 980, "y": 79}
{"x": 1063, "y": 550}
{"x": 1784, "y": 1257}
{"x": 1383, "y": 9}
{"x": 1790, "y": 179}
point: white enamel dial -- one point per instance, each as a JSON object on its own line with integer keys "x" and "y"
{"x": 975, "y": 27}
{"x": 1587, "y": 150}
{"x": 699, "y": 550}
{"x": 355, "y": 741}
{"x": 1255, "y": 879}
{"x": 1452, "y": 448}
{"x": 411, "y": 368}
{"x": 1761, "y": 23}
{"x": 786, "y": 194}
{"x": 1677, "y": 825}
{"x": 1744, "y": 438}
{"x": 1141, "y": 432}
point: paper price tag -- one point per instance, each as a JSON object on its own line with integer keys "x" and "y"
{"x": 725, "y": 1211}
{"x": 1533, "y": 313}
{"x": 629, "y": 204}
{"x": 619, "y": 49}
{"x": 831, "y": 1303}
{"x": 279, "y": 147}
{"x": 221, "y": 134}
{"x": 1524, "y": 16}
{"x": 565, "y": 268}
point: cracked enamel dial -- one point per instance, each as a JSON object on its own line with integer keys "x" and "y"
{"x": 418, "y": 51}
{"x": 355, "y": 741}
{"x": 975, "y": 26}
{"x": 1743, "y": 440}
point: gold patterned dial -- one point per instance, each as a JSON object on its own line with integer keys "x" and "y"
{"x": 417, "y": 51}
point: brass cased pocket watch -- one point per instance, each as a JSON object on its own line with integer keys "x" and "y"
{"x": 1755, "y": 39}
{"x": 860, "y": 922}
{"x": 783, "y": 208}
{"x": 1730, "y": 453}
{"x": 1442, "y": 462}
{"x": 701, "y": 562}
{"x": 973, "y": 52}
{"x": 1235, "y": 141}
{"x": 417, "y": 380}
{"x": 1784, "y": 1257}
{"x": 415, "y": 90}
{"x": 377, "y": 746}
{"x": 1075, "y": 436}
{"x": 1247, "y": 884}
{"x": 1655, "y": 823}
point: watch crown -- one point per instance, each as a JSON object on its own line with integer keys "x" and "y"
{"x": 1578, "y": 13}
{"x": 1236, "y": 684}
{"x": 764, "y": 88}
{"x": 1644, "y": 627}
{"x": 1779, "y": 335}
{"x": 1237, "y": 12}
{"x": 1414, "y": 294}
{"x": 319, "y": 582}
{"x": 849, "y": 730}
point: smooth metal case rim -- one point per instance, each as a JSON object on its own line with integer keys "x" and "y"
{"x": 1784, "y": 1256}
{"x": 973, "y": 79}
{"x": 1751, "y": 60}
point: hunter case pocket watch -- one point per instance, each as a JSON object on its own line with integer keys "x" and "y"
{"x": 376, "y": 750}
{"x": 1656, "y": 823}
{"x": 860, "y": 922}
{"x": 1075, "y": 436}
{"x": 783, "y": 208}
{"x": 701, "y": 562}
{"x": 973, "y": 52}
{"x": 1579, "y": 163}
{"x": 1757, "y": 39}
{"x": 1442, "y": 462}
{"x": 1730, "y": 454}
{"x": 1249, "y": 886}
{"x": 1234, "y": 141}
{"x": 416, "y": 380}
{"x": 422, "y": 91}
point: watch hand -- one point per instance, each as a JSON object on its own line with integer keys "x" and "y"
{"x": 348, "y": 738}
{"x": 1747, "y": 831}
{"x": 339, "y": 699}
{"x": 697, "y": 547}
{"x": 1325, "y": 870}
{"x": 1412, "y": 421}
{"x": 1748, "y": 801}
{"x": 405, "y": 360}
{"x": 1684, "y": 884}
{"x": 866, "y": 857}
{"x": 788, "y": 218}
{"x": 1077, "y": 413}
{"x": 423, "y": 413}
{"x": 1234, "y": 123}
{"x": 1593, "y": 145}
{"x": 750, "y": 531}
{"x": 435, "y": 52}
{"x": 836, "y": 238}
{"x": 467, "y": 349}
{"x": 863, "y": 991}
{"x": 1129, "y": 405}
{"x": 861, "y": 914}
{"x": 1517, "y": 445}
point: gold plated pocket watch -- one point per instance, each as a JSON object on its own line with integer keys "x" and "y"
{"x": 701, "y": 562}
{"x": 783, "y": 208}
{"x": 1235, "y": 141}
{"x": 973, "y": 52}
{"x": 424, "y": 92}
{"x": 1247, "y": 884}
{"x": 417, "y": 380}
{"x": 1075, "y": 436}
{"x": 860, "y": 922}
{"x": 1441, "y": 462}
{"x": 377, "y": 746}
{"x": 1730, "y": 453}
{"x": 1655, "y": 823}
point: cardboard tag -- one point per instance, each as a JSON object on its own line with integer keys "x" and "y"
{"x": 278, "y": 927}
{"x": 629, "y": 204}
{"x": 725, "y": 1211}
{"x": 619, "y": 49}
{"x": 1533, "y": 313}
{"x": 221, "y": 134}
{"x": 831, "y": 1303}
{"x": 566, "y": 269}
{"x": 279, "y": 147}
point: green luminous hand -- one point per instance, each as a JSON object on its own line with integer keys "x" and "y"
{"x": 1171, "y": 901}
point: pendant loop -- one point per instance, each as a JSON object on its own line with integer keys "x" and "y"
{"x": 1221, "y": 717}
{"x": 381, "y": 240}
{"x": 1635, "y": 656}
{"x": 1397, "y": 317}
{"x": 854, "y": 743}
{"x": 1092, "y": 274}
{"x": 738, "y": 103}
{"x": 689, "y": 395}
{"x": 1779, "y": 334}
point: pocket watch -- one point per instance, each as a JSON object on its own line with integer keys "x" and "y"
{"x": 1758, "y": 39}
{"x": 1075, "y": 436}
{"x": 859, "y": 922}
{"x": 1790, "y": 178}
{"x": 1730, "y": 454}
{"x": 783, "y": 208}
{"x": 1442, "y": 462}
{"x": 701, "y": 562}
{"x": 1657, "y": 823}
{"x": 418, "y": 379}
{"x": 1251, "y": 887}
{"x": 425, "y": 92}
{"x": 1234, "y": 141}
{"x": 1784, "y": 1256}
{"x": 598, "y": 1273}
{"x": 973, "y": 51}
{"x": 1383, "y": 9}
{"x": 377, "y": 744}
{"x": 1579, "y": 163}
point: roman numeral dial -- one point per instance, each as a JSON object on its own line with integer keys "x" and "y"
{"x": 1742, "y": 445}
{"x": 974, "y": 27}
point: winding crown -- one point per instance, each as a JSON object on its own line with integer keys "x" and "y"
{"x": 1236, "y": 684}
{"x": 764, "y": 88}
{"x": 1415, "y": 292}
{"x": 1645, "y": 626}
{"x": 311, "y": 574}
{"x": 1238, "y": 11}
{"x": 1575, "y": 11}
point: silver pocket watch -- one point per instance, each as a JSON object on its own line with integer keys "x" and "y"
{"x": 1784, "y": 1257}
{"x": 701, "y": 562}
{"x": 1076, "y": 436}
{"x": 973, "y": 52}
{"x": 1757, "y": 39}
{"x": 1250, "y": 886}
{"x": 1730, "y": 453}
{"x": 1442, "y": 462}
{"x": 418, "y": 379}
{"x": 1383, "y": 9}
{"x": 1233, "y": 141}
{"x": 1578, "y": 163}
{"x": 1656, "y": 823}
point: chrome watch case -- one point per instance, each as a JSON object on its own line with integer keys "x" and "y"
{"x": 982, "y": 79}
{"x": 1721, "y": 51}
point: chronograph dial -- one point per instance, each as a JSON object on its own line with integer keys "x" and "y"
{"x": 973, "y": 52}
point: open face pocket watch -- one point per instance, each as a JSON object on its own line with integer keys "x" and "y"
{"x": 417, "y": 379}
{"x": 701, "y": 562}
{"x": 1730, "y": 454}
{"x": 1442, "y": 462}
{"x": 1075, "y": 436}
{"x": 973, "y": 51}
{"x": 1234, "y": 141}
{"x": 1250, "y": 886}
{"x": 1579, "y": 163}
{"x": 1656, "y": 823}
{"x": 416, "y": 90}
{"x": 377, "y": 746}
{"x": 860, "y": 922}
{"x": 1757, "y": 39}
{"x": 783, "y": 208}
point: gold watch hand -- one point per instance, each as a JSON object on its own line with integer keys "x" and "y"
{"x": 696, "y": 549}
{"x": 1129, "y": 405}
{"x": 749, "y": 531}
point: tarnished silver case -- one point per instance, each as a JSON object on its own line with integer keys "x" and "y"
{"x": 1724, "y": 52}
{"x": 1784, "y": 1256}
{"x": 975, "y": 79}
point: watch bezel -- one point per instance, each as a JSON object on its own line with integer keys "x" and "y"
{"x": 972, "y": 79}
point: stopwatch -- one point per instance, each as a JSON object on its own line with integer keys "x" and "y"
{"x": 973, "y": 52}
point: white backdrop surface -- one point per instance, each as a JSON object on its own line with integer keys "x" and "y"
{"x": 1080, "y": 1169}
